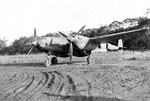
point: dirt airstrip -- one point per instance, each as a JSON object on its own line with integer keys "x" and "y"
{"x": 113, "y": 76}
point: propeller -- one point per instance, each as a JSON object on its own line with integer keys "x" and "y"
{"x": 34, "y": 42}
{"x": 69, "y": 38}
{"x": 30, "y": 50}
{"x": 70, "y": 44}
{"x": 62, "y": 34}
{"x": 74, "y": 34}
{"x": 81, "y": 29}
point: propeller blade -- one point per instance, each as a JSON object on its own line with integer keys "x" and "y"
{"x": 71, "y": 51}
{"x": 81, "y": 29}
{"x": 74, "y": 34}
{"x": 35, "y": 36}
{"x": 62, "y": 34}
{"x": 70, "y": 47}
{"x": 30, "y": 50}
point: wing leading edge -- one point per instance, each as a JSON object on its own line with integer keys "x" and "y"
{"x": 117, "y": 36}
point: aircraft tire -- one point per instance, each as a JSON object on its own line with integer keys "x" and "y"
{"x": 47, "y": 62}
{"x": 54, "y": 60}
{"x": 91, "y": 60}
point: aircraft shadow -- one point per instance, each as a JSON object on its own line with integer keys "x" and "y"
{"x": 24, "y": 64}
{"x": 70, "y": 62}
{"x": 83, "y": 98}
{"x": 42, "y": 64}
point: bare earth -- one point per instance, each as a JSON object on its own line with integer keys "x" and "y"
{"x": 112, "y": 76}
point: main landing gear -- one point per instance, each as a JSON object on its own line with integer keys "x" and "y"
{"x": 90, "y": 60}
{"x": 50, "y": 61}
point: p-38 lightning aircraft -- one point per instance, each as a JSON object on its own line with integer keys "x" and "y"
{"x": 75, "y": 44}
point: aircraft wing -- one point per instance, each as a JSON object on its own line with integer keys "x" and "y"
{"x": 116, "y": 36}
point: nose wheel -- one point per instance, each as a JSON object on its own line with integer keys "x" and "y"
{"x": 50, "y": 61}
{"x": 54, "y": 60}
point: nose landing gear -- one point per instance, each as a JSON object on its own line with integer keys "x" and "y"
{"x": 54, "y": 60}
{"x": 50, "y": 61}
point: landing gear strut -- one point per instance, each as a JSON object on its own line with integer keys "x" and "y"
{"x": 88, "y": 60}
{"x": 50, "y": 61}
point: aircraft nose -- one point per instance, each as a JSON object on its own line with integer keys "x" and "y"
{"x": 34, "y": 43}
{"x": 31, "y": 43}
{"x": 70, "y": 39}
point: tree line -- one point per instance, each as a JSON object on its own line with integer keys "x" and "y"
{"x": 139, "y": 43}
{"x": 133, "y": 43}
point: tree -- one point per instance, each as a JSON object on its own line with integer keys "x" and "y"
{"x": 2, "y": 44}
{"x": 19, "y": 46}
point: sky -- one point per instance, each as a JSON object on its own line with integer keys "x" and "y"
{"x": 18, "y": 18}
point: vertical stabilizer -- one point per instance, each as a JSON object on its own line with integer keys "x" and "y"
{"x": 104, "y": 47}
{"x": 120, "y": 44}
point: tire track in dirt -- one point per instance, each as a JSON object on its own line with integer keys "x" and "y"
{"x": 37, "y": 85}
{"x": 82, "y": 87}
{"x": 77, "y": 84}
{"x": 10, "y": 90}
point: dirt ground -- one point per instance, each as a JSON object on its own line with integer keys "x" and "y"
{"x": 112, "y": 76}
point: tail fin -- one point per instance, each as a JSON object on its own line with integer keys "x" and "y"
{"x": 120, "y": 44}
